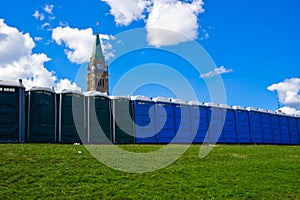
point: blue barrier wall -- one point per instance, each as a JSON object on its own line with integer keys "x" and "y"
{"x": 183, "y": 126}
{"x": 215, "y": 123}
{"x": 242, "y": 125}
{"x": 276, "y": 128}
{"x": 229, "y": 129}
{"x": 294, "y": 135}
{"x": 199, "y": 121}
{"x": 284, "y": 129}
{"x": 298, "y": 125}
{"x": 164, "y": 119}
{"x": 144, "y": 111}
{"x": 266, "y": 127}
{"x": 255, "y": 126}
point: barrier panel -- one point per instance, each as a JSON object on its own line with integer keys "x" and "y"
{"x": 12, "y": 111}
{"x": 98, "y": 118}
{"x": 42, "y": 115}
{"x": 144, "y": 111}
{"x": 122, "y": 120}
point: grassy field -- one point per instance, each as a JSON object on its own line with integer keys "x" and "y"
{"x": 53, "y": 171}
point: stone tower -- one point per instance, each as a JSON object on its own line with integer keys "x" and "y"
{"x": 97, "y": 78}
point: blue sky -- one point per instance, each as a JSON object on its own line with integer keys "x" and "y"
{"x": 255, "y": 46}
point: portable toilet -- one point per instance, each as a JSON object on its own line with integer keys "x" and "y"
{"x": 255, "y": 125}
{"x": 164, "y": 119}
{"x": 41, "y": 115}
{"x": 183, "y": 126}
{"x": 294, "y": 135}
{"x": 242, "y": 124}
{"x": 215, "y": 122}
{"x": 122, "y": 120}
{"x": 199, "y": 121}
{"x": 12, "y": 111}
{"x": 266, "y": 126}
{"x": 284, "y": 128}
{"x": 298, "y": 124}
{"x": 144, "y": 120}
{"x": 275, "y": 127}
{"x": 98, "y": 118}
{"x": 71, "y": 128}
{"x": 229, "y": 129}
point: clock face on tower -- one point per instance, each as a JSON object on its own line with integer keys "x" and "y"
{"x": 98, "y": 66}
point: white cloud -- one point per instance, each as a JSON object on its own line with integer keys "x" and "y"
{"x": 127, "y": 11}
{"x": 289, "y": 110}
{"x": 48, "y": 9}
{"x": 288, "y": 92}
{"x": 79, "y": 43}
{"x": 63, "y": 24}
{"x": 46, "y": 26}
{"x": 216, "y": 72}
{"x": 66, "y": 84}
{"x": 38, "y": 39}
{"x": 171, "y": 22}
{"x": 51, "y": 17}
{"x": 168, "y": 22}
{"x": 18, "y": 62}
{"x": 39, "y": 16}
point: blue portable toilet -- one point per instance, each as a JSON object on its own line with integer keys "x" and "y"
{"x": 41, "y": 115}
{"x": 144, "y": 120}
{"x": 122, "y": 120}
{"x": 215, "y": 123}
{"x": 199, "y": 121}
{"x": 294, "y": 135}
{"x": 266, "y": 126}
{"x": 242, "y": 125}
{"x": 275, "y": 127}
{"x": 71, "y": 123}
{"x": 183, "y": 126}
{"x": 255, "y": 125}
{"x": 164, "y": 119}
{"x": 229, "y": 129}
{"x": 12, "y": 111}
{"x": 98, "y": 118}
{"x": 284, "y": 128}
{"x": 298, "y": 124}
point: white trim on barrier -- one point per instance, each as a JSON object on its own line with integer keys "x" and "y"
{"x": 119, "y": 97}
{"x": 197, "y": 103}
{"x": 162, "y": 99}
{"x": 43, "y": 89}
{"x": 65, "y": 91}
{"x": 180, "y": 101}
{"x": 210, "y": 104}
{"x": 139, "y": 97}
{"x": 252, "y": 109}
{"x": 11, "y": 83}
{"x": 95, "y": 93}
{"x": 239, "y": 108}
{"x": 225, "y": 106}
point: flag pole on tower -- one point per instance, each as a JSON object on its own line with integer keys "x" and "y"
{"x": 97, "y": 29}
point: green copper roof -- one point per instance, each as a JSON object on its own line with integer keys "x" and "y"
{"x": 97, "y": 51}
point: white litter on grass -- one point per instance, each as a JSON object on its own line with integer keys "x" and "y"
{"x": 79, "y": 152}
{"x": 76, "y": 144}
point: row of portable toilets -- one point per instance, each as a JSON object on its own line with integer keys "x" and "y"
{"x": 41, "y": 115}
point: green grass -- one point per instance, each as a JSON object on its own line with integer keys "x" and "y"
{"x": 52, "y": 171}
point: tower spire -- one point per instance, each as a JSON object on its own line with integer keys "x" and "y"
{"x": 97, "y": 50}
{"x": 97, "y": 78}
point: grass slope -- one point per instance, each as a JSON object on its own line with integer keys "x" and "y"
{"x": 52, "y": 171}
